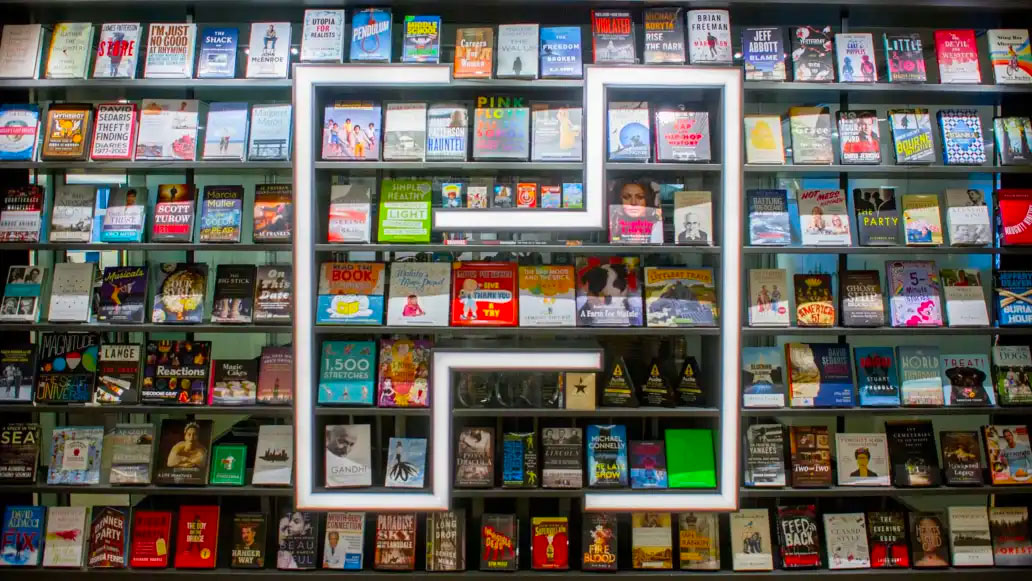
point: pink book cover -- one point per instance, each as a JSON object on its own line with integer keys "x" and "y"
{"x": 914, "y": 299}
{"x": 957, "y": 54}
{"x": 276, "y": 375}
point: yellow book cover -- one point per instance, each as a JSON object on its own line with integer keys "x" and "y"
{"x": 921, "y": 219}
{"x": 680, "y": 297}
{"x": 651, "y": 540}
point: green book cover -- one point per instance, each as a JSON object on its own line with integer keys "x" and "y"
{"x": 229, "y": 461}
{"x": 404, "y": 214}
{"x": 690, "y": 458}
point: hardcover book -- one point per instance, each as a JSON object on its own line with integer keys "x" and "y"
{"x": 197, "y": 534}
{"x": 117, "y": 50}
{"x": 20, "y": 126}
{"x": 862, "y": 302}
{"x": 132, "y": 451}
{"x": 419, "y": 294}
{"x": 404, "y": 131}
{"x": 612, "y": 37}
{"x": 607, "y": 456}
{"x": 233, "y": 300}
{"x": 709, "y": 37}
{"x": 276, "y": 375}
{"x": 556, "y": 133}
{"x": 499, "y": 542}
{"x": 114, "y": 133}
{"x": 811, "y": 135}
{"x": 70, "y": 292}
{"x": 819, "y": 375}
{"x": 1010, "y": 55}
{"x": 228, "y": 465}
{"x": 176, "y": 372}
{"x": 65, "y": 536}
{"x": 66, "y": 367}
{"x": 421, "y": 42}
{"x": 20, "y": 50}
{"x": 763, "y": 374}
{"x": 1013, "y": 139}
{"x": 474, "y": 53}
{"x": 750, "y": 540}
{"x": 350, "y": 208}
{"x": 21, "y": 536}
{"x": 21, "y": 214}
{"x": 125, "y": 215}
{"x": 269, "y": 54}
{"x": 1007, "y": 454}
{"x": 273, "y": 213}
{"x": 179, "y": 295}
{"x": 406, "y": 463}
{"x": 550, "y": 543}
{"x": 764, "y": 456}
{"x": 19, "y": 452}
{"x": 168, "y": 130}
{"x": 344, "y": 536}
{"x": 812, "y": 58}
{"x": 680, "y": 297}
{"x": 351, "y": 131}
{"x": 693, "y": 217}
{"x": 855, "y": 54}
{"x": 799, "y": 537}
{"x": 815, "y": 306}
{"x": 71, "y": 220}
{"x": 912, "y": 136}
{"x": 768, "y": 305}
{"x": 225, "y": 134}
{"x": 1011, "y": 309}
{"x": 648, "y": 464}
{"x": 877, "y": 377}
{"x": 23, "y": 293}
{"x": 914, "y": 293}
{"x": 1011, "y": 544}
{"x": 698, "y": 541}
{"x": 764, "y": 142}
{"x": 249, "y": 541}
{"x": 70, "y": 48}
{"x": 474, "y": 459}
{"x": 887, "y": 535}
{"x": 962, "y": 137}
{"x": 608, "y": 292}
{"x": 351, "y": 293}
{"x": 109, "y": 537}
{"x": 562, "y": 458}
{"x": 270, "y": 133}
{"x": 561, "y": 52}
{"x": 183, "y": 452}
{"x": 845, "y": 540}
{"x": 296, "y": 545}
{"x": 967, "y": 217}
{"x": 957, "y": 55}
{"x": 404, "y": 377}
{"x": 904, "y": 53}
{"x": 965, "y": 299}
{"x": 322, "y": 36}
{"x": 763, "y": 54}
{"x": 651, "y": 546}
{"x": 769, "y": 223}
{"x": 682, "y": 136}
{"x": 371, "y": 35}
{"x": 218, "y": 53}
{"x": 174, "y": 213}
{"x": 233, "y": 382}
{"x": 859, "y": 137}
{"x": 222, "y": 214}
{"x": 66, "y": 132}
{"x": 912, "y": 453}
{"x": 273, "y": 457}
{"x": 921, "y": 383}
{"x": 664, "y": 36}
{"x": 347, "y": 372}
{"x": 348, "y": 456}
{"x": 501, "y": 133}
{"x": 863, "y": 459}
{"x": 395, "y": 546}
{"x": 928, "y": 546}
{"x": 18, "y": 365}
{"x": 598, "y": 542}
{"x": 404, "y": 212}
{"x": 810, "y": 456}
{"x": 961, "y": 458}
{"x": 484, "y": 293}
{"x": 1012, "y": 368}
{"x": 75, "y": 455}
{"x": 273, "y": 295}
{"x": 517, "y": 55}
{"x": 629, "y": 133}
{"x": 547, "y": 296}
{"x": 170, "y": 51}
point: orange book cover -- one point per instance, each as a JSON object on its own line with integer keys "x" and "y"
{"x": 474, "y": 53}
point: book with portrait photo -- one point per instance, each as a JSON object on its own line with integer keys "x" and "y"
{"x": 183, "y": 452}
{"x": 348, "y": 456}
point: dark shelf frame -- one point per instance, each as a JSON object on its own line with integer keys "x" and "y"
{"x": 146, "y": 328}
{"x": 268, "y": 411}
{"x": 283, "y": 491}
{"x": 663, "y": 166}
{"x": 888, "y": 411}
{"x": 560, "y": 247}
{"x": 889, "y": 250}
{"x": 640, "y": 412}
{"x": 840, "y": 491}
{"x": 510, "y": 331}
{"x": 430, "y": 167}
{"x": 199, "y": 165}
{"x": 930, "y": 331}
{"x": 147, "y": 246}
{"x": 888, "y": 171}
{"x": 339, "y": 411}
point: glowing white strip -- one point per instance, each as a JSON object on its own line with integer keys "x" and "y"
{"x": 596, "y": 79}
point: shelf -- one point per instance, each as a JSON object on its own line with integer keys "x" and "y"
{"x": 149, "y": 165}
{"x": 840, "y": 491}
{"x": 943, "y": 331}
{"x": 340, "y": 411}
{"x": 180, "y": 84}
{"x": 530, "y": 247}
{"x": 146, "y": 246}
{"x": 663, "y": 166}
{"x": 248, "y": 410}
{"x": 602, "y": 412}
{"x": 886, "y": 171}
{"x": 152, "y": 490}
{"x": 145, "y": 328}
{"x": 889, "y": 250}
{"x": 887, "y": 411}
{"x": 518, "y": 492}
{"x": 430, "y": 167}
{"x": 510, "y": 331}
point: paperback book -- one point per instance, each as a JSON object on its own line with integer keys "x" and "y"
{"x": 395, "y": 545}
{"x": 404, "y": 373}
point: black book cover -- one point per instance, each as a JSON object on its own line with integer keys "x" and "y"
{"x": 248, "y": 541}
{"x": 812, "y": 54}
{"x": 234, "y": 293}
{"x": 961, "y": 458}
{"x": 912, "y": 453}
{"x": 176, "y": 372}
{"x": 656, "y": 390}
{"x": 887, "y": 540}
{"x": 810, "y": 456}
{"x": 108, "y": 548}
{"x": 17, "y": 372}
{"x": 799, "y": 537}
{"x": 499, "y": 542}
{"x": 929, "y": 544}
{"x": 598, "y": 544}
{"x": 474, "y": 460}
{"x": 297, "y": 532}
{"x": 19, "y": 452}
{"x": 618, "y": 391}
{"x": 862, "y": 301}
{"x": 123, "y": 294}
{"x": 877, "y": 216}
{"x": 690, "y": 392}
{"x": 184, "y": 450}
{"x": 118, "y": 380}
{"x": 446, "y": 541}
{"x": 273, "y": 301}
{"x": 67, "y": 365}
{"x": 395, "y": 548}
{"x": 765, "y": 455}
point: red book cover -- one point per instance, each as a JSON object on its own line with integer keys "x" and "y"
{"x": 152, "y": 532}
{"x": 550, "y": 543}
{"x": 957, "y": 54}
{"x": 484, "y": 294}
{"x": 197, "y": 537}
{"x": 1015, "y": 216}
{"x": 109, "y": 528}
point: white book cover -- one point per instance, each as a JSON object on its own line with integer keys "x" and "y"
{"x": 404, "y": 131}
{"x": 764, "y": 142}
{"x": 114, "y": 132}
{"x": 72, "y": 217}
{"x": 348, "y": 456}
{"x": 71, "y": 291}
{"x": 168, "y": 130}
{"x": 344, "y": 540}
{"x": 1010, "y": 55}
{"x": 225, "y": 133}
{"x": 117, "y": 51}
{"x": 547, "y": 297}
{"x": 965, "y": 299}
{"x": 350, "y": 210}
{"x": 419, "y": 294}
{"x": 274, "y": 456}
{"x": 517, "y": 53}
{"x": 824, "y": 218}
{"x": 21, "y": 47}
{"x": 270, "y": 132}
{"x": 65, "y": 537}
{"x": 967, "y": 217}
{"x": 855, "y": 52}
{"x": 322, "y": 38}
{"x": 768, "y": 297}
{"x": 750, "y": 540}
{"x": 268, "y": 54}
{"x": 70, "y": 49}
{"x": 845, "y": 538}
{"x": 709, "y": 36}
{"x": 863, "y": 459}
{"x": 170, "y": 50}
{"x": 693, "y": 217}
{"x": 970, "y": 542}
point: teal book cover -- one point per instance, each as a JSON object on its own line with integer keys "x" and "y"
{"x": 347, "y": 372}
{"x": 690, "y": 462}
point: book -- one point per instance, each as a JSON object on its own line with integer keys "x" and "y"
{"x": 20, "y": 127}
{"x": 546, "y": 296}
{"x": 561, "y": 52}
{"x": 768, "y": 306}
{"x": 197, "y": 534}
{"x": 421, "y": 41}
{"x": 629, "y": 133}
{"x": 612, "y": 37}
{"x": 350, "y": 209}
{"x": 862, "y": 302}
{"x": 1011, "y": 309}
{"x": 904, "y": 54}
{"x": 859, "y": 137}
{"x": 70, "y": 48}
{"x": 845, "y": 541}
{"x": 799, "y": 537}
{"x": 445, "y": 545}
{"x": 698, "y": 539}
{"x": 276, "y": 375}
{"x": 961, "y": 458}
{"x": 599, "y": 546}
{"x": 117, "y": 50}
{"x": 550, "y": 543}
{"x": 70, "y": 292}
{"x": 1013, "y": 139}
{"x": 125, "y": 215}
{"x": 114, "y": 132}
{"x": 693, "y": 217}
{"x": 371, "y": 35}
{"x": 18, "y": 368}
{"x": 914, "y": 293}
{"x": 877, "y": 216}
{"x": 123, "y": 291}
{"x": 119, "y": 366}
{"x": 404, "y": 212}
{"x": 176, "y": 372}
{"x": 762, "y": 377}
{"x": 501, "y": 133}
{"x": 579, "y": 391}
{"x": 225, "y": 133}
{"x": 179, "y": 294}
{"x": 709, "y": 37}
{"x": 556, "y": 133}
{"x": 19, "y": 452}
{"x": 168, "y": 130}
{"x": 474, "y": 53}
{"x": 174, "y": 213}
{"x": 606, "y": 456}
{"x": 768, "y": 218}
{"x": 751, "y": 543}
{"x": 404, "y": 131}
{"x": 108, "y": 537}
{"x": 21, "y": 214}
{"x": 474, "y": 459}
{"x": 132, "y": 452}
{"x": 151, "y": 539}
{"x": 273, "y": 457}
{"x": 957, "y": 55}
{"x": 764, "y": 142}
{"x": 517, "y": 55}
{"x": 21, "y": 536}
{"x": 183, "y": 452}
{"x": 66, "y": 132}
{"x": 395, "y": 545}
{"x": 499, "y": 542}
{"x": 965, "y": 299}
{"x": 519, "y": 460}
{"x": 877, "y": 377}
{"x": 629, "y": 222}
{"x": 921, "y": 380}
{"x": 680, "y": 297}
{"x": 1007, "y": 454}
{"x": 348, "y": 456}
{"x": 855, "y": 55}
{"x": 322, "y": 36}
{"x": 249, "y": 541}
{"x": 351, "y": 293}
{"x": 811, "y": 54}
{"x": 1010, "y": 55}
{"x": 763, "y": 54}
{"x": 912, "y": 453}
{"x": 403, "y": 379}
{"x": 912, "y": 136}
{"x": 228, "y": 465}
{"x": 862, "y": 459}
{"x": 810, "y": 456}
{"x": 419, "y": 294}
{"x": 269, "y": 56}
{"x": 764, "y": 456}
{"x": 347, "y": 372}
{"x": 23, "y": 292}
{"x": 811, "y": 135}
{"x": 270, "y": 132}
{"x": 1011, "y": 544}
{"x": 608, "y": 292}
{"x": 447, "y": 126}
{"x": 233, "y": 382}
{"x": 233, "y": 300}
{"x": 1012, "y": 367}
{"x": 66, "y": 366}
{"x": 351, "y": 131}
{"x": 75, "y": 455}
{"x": 887, "y": 536}
{"x": 651, "y": 545}
{"x": 562, "y": 458}
{"x": 682, "y": 136}
{"x": 170, "y": 51}
{"x": 217, "y": 55}
{"x": 20, "y": 49}
{"x": 343, "y": 544}
{"x": 221, "y": 214}
{"x": 273, "y": 213}
{"x": 648, "y": 464}
{"x": 406, "y": 463}
{"x": 484, "y": 294}
{"x": 663, "y": 29}
{"x": 815, "y": 306}
{"x": 928, "y": 546}
{"x": 962, "y": 142}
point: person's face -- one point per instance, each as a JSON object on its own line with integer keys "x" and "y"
{"x": 297, "y": 522}
{"x": 344, "y": 442}
{"x": 247, "y": 535}
{"x": 190, "y": 435}
{"x": 1007, "y": 435}
{"x": 928, "y": 532}
{"x": 974, "y": 195}
{"x": 633, "y": 195}
{"x": 691, "y": 223}
{"x": 334, "y": 539}
{"x": 130, "y": 199}
{"x": 865, "y": 125}
{"x": 861, "y": 461}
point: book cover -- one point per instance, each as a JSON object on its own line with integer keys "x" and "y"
{"x": 1011, "y": 309}
{"x": 810, "y": 456}
{"x": 501, "y": 133}
{"x": 877, "y": 217}
{"x": 1013, "y": 139}
{"x": 799, "y": 538}
{"x": 750, "y": 540}
{"x": 217, "y": 56}
{"x": 197, "y": 534}
{"x": 70, "y": 48}
{"x": 132, "y": 450}
{"x": 961, "y": 458}
{"x": 114, "y": 132}
{"x": 811, "y": 135}
{"x": 914, "y": 293}
{"x": 928, "y": 541}
{"x": 20, "y": 50}
{"x": 845, "y": 540}
{"x": 270, "y": 132}
{"x": 109, "y": 536}
{"x": 179, "y": 295}
{"x": 887, "y": 535}
{"x": 296, "y": 544}
{"x": 1011, "y": 544}
{"x": 406, "y": 463}
{"x": 561, "y": 52}
{"x": 693, "y": 217}
{"x": 664, "y": 36}
{"x": 607, "y": 456}
{"x": 1007, "y": 454}
{"x": 64, "y": 541}
{"x": 921, "y": 383}
{"x": 322, "y": 36}
{"x": 419, "y": 294}
{"x": 812, "y": 58}
{"x": 862, "y": 301}
{"x": 268, "y": 56}
{"x": 815, "y": 306}
{"x": 75, "y": 455}
{"x": 66, "y": 367}
{"x": 612, "y": 37}
{"x": 349, "y": 219}
{"x": 1010, "y": 55}
{"x": 233, "y": 382}
{"x": 499, "y": 542}
{"x": 556, "y": 133}
{"x": 550, "y": 543}
{"x": 474, "y": 53}
{"x": 18, "y": 368}
{"x": 912, "y": 453}
{"x": 343, "y": 542}
{"x": 117, "y": 50}
{"x": 183, "y": 452}
{"x": 680, "y": 297}
{"x": 764, "y": 456}
{"x": 174, "y": 213}
{"x": 395, "y": 545}
{"x": 421, "y": 41}
{"x": 519, "y": 460}
{"x": 474, "y": 459}
{"x": 859, "y": 137}
{"x": 547, "y": 296}
{"x": 763, "y": 54}
{"x": 151, "y": 539}
{"x": 651, "y": 544}
{"x": 276, "y": 375}
{"x": 404, "y": 373}
{"x": 71, "y": 292}
{"x": 273, "y": 293}
{"x": 348, "y": 456}
{"x": 877, "y": 377}
{"x": 484, "y": 294}
{"x": 769, "y": 223}
{"x": 629, "y": 133}
{"x": 273, "y": 213}
{"x": 273, "y": 457}
{"x": 233, "y": 300}
{"x": 768, "y": 303}
{"x": 517, "y": 54}
{"x": 168, "y": 130}
{"x": 404, "y": 131}
{"x": 371, "y": 35}
{"x": 347, "y": 372}
{"x": 764, "y": 142}
{"x": 904, "y": 53}
{"x": 19, "y": 124}
{"x": 23, "y": 293}
{"x": 176, "y": 372}
{"x": 562, "y": 458}
{"x": 351, "y": 131}
{"x": 598, "y": 544}
{"x": 404, "y": 212}
{"x": 21, "y": 214}
{"x": 682, "y": 136}
{"x": 957, "y": 55}
{"x": 66, "y": 132}
{"x": 225, "y": 133}
{"x": 698, "y": 540}
{"x": 19, "y": 452}
{"x": 965, "y": 299}
{"x": 912, "y": 136}
{"x": 648, "y": 464}
{"x": 221, "y": 214}
{"x": 608, "y": 292}
{"x": 763, "y": 383}
{"x": 21, "y": 536}
{"x": 170, "y": 51}
{"x": 125, "y": 215}
{"x": 630, "y": 221}
{"x": 855, "y": 55}
{"x": 690, "y": 458}
{"x": 228, "y": 465}
{"x": 709, "y": 37}
{"x": 862, "y": 459}
{"x": 351, "y": 293}
{"x": 1012, "y": 368}
{"x": 962, "y": 142}
{"x": 249, "y": 541}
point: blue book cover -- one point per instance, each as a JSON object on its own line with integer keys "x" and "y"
{"x": 217, "y": 57}
{"x": 648, "y": 464}
{"x": 422, "y": 41}
{"x": 225, "y": 134}
{"x": 271, "y": 132}
{"x": 769, "y": 223}
{"x": 607, "y": 456}
{"x": 19, "y": 127}
{"x": 1011, "y": 309}
{"x": 820, "y": 375}
{"x": 99, "y": 210}
{"x": 125, "y": 216}
{"x": 561, "y": 52}
{"x": 222, "y": 213}
{"x": 347, "y": 372}
{"x": 961, "y": 137}
{"x": 351, "y": 131}
{"x": 75, "y": 454}
{"x": 351, "y": 293}
{"x": 22, "y": 544}
{"x": 763, "y": 377}
{"x": 406, "y": 463}
{"x": 371, "y": 35}
{"x": 763, "y": 54}
{"x": 877, "y": 379}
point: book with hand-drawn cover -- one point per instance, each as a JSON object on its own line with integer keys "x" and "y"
{"x": 914, "y": 299}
